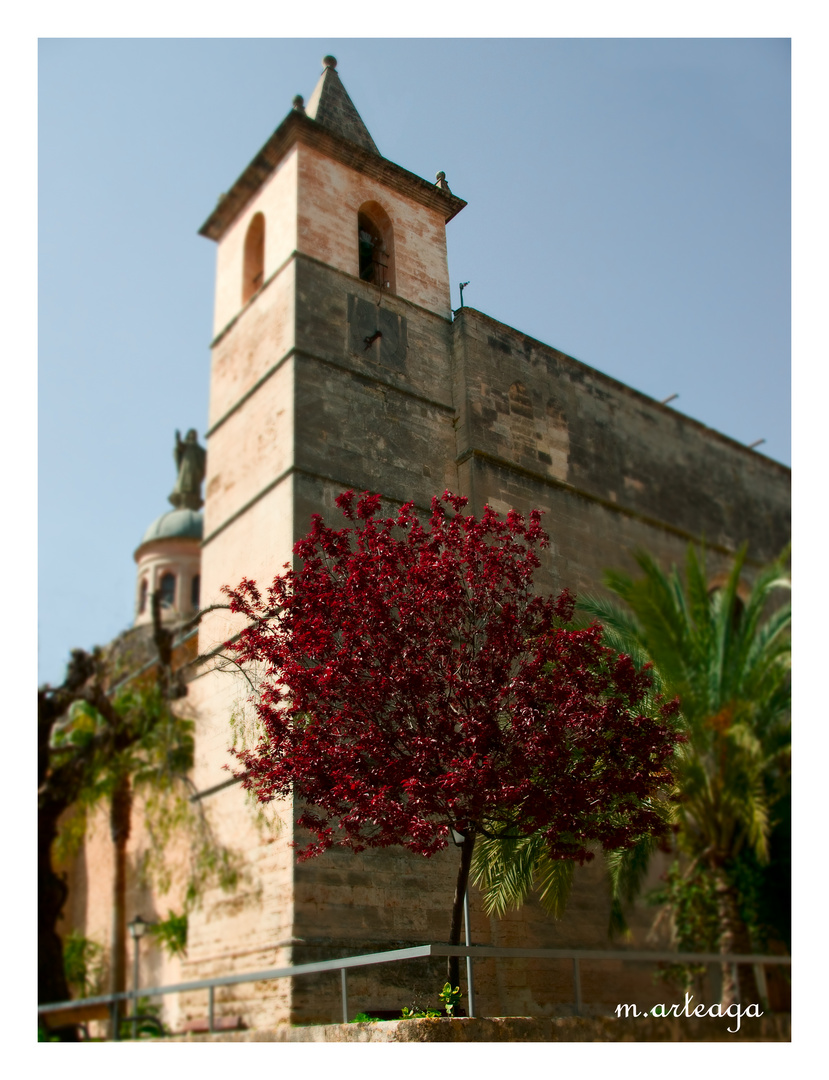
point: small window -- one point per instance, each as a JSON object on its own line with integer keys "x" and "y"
{"x": 254, "y": 266}
{"x": 375, "y": 246}
{"x": 194, "y": 591}
{"x": 142, "y": 596}
{"x": 168, "y": 590}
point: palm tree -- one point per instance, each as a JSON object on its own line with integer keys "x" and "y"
{"x": 728, "y": 661}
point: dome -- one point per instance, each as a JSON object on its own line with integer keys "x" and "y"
{"x": 182, "y": 524}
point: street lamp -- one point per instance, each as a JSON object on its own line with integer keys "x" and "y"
{"x": 137, "y": 928}
{"x": 458, "y": 839}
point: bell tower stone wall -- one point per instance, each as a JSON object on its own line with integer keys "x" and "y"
{"x": 330, "y": 197}
{"x": 277, "y": 202}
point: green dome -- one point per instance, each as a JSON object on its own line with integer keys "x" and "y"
{"x": 180, "y": 524}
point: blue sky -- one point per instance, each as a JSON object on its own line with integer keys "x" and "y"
{"x": 629, "y": 203}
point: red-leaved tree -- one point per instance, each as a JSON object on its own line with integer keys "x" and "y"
{"x": 414, "y": 681}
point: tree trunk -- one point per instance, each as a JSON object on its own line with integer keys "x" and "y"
{"x": 120, "y": 812}
{"x": 453, "y": 965}
{"x": 52, "y": 986}
{"x": 52, "y": 890}
{"x": 53, "y": 799}
{"x": 733, "y": 939}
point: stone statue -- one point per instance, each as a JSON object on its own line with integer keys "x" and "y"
{"x": 190, "y": 462}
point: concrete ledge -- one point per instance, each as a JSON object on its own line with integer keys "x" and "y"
{"x": 771, "y": 1028}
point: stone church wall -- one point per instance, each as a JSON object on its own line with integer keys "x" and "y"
{"x": 615, "y": 470}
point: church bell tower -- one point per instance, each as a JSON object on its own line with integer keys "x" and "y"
{"x": 330, "y": 360}
{"x": 331, "y": 369}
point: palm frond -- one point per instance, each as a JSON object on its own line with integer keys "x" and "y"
{"x": 507, "y": 870}
{"x": 503, "y": 868}
{"x": 627, "y": 870}
{"x": 554, "y": 883}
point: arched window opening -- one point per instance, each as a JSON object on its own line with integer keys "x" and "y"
{"x": 375, "y": 246}
{"x": 254, "y": 266}
{"x": 142, "y": 596}
{"x": 195, "y": 585}
{"x": 167, "y": 587}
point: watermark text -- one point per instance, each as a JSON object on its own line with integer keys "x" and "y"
{"x": 734, "y": 1011}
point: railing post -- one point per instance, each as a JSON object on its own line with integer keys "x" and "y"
{"x": 715, "y": 981}
{"x": 762, "y": 985}
{"x": 113, "y": 1013}
{"x": 577, "y": 985}
{"x": 470, "y": 986}
{"x": 210, "y": 1004}
{"x": 344, "y": 988}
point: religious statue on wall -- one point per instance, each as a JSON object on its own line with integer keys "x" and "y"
{"x": 190, "y": 461}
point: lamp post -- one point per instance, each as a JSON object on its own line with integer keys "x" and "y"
{"x": 137, "y": 928}
{"x": 458, "y": 840}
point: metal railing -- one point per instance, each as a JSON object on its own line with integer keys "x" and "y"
{"x": 473, "y": 952}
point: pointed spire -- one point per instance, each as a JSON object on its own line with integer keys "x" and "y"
{"x": 332, "y": 108}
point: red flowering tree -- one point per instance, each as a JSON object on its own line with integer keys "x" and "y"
{"x": 414, "y": 681}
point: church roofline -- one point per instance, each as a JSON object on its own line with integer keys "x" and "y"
{"x": 296, "y": 127}
{"x": 471, "y": 312}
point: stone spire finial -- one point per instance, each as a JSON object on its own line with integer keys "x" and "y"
{"x": 299, "y": 103}
{"x": 331, "y": 107}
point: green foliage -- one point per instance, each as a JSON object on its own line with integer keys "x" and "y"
{"x": 153, "y": 745}
{"x": 507, "y": 869}
{"x": 728, "y": 662}
{"x": 73, "y": 829}
{"x": 450, "y": 998}
{"x": 246, "y": 731}
{"x": 156, "y": 760}
{"x": 164, "y": 751}
{"x": 126, "y": 749}
{"x": 83, "y": 964}
{"x": 749, "y": 877}
{"x": 171, "y": 933}
{"x": 626, "y": 871}
{"x": 170, "y": 817}
{"x": 44, "y": 1035}
{"x": 447, "y": 995}
{"x": 149, "y": 1027}
{"x": 771, "y": 883}
{"x": 690, "y": 899}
